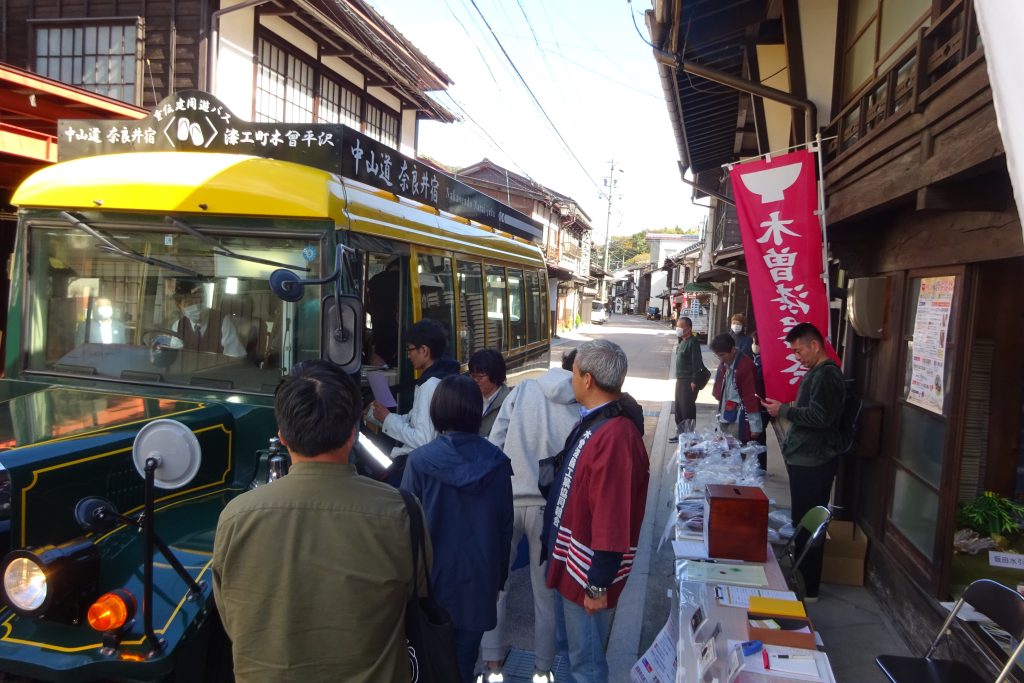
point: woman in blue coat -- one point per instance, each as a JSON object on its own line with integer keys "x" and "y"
{"x": 464, "y": 483}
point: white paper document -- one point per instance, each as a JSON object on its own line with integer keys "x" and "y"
{"x": 739, "y": 596}
{"x": 381, "y": 391}
{"x": 789, "y": 662}
{"x": 690, "y": 549}
{"x": 658, "y": 663}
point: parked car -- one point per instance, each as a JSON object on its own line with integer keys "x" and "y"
{"x": 598, "y": 313}
{"x": 653, "y": 313}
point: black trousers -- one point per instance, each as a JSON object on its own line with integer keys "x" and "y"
{"x": 686, "y": 401}
{"x": 809, "y": 487}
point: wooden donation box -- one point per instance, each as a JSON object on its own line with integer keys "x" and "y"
{"x": 736, "y": 522}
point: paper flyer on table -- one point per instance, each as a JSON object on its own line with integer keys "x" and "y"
{"x": 739, "y": 596}
{"x": 381, "y": 391}
{"x": 658, "y": 663}
{"x": 745, "y": 575}
{"x": 790, "y": 663}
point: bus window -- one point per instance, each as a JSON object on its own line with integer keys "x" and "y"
{"x": 496, "y": 308}
{"x": 536, "y": 308}
{"x": 437, "y": 298}
{"x": 516, "y": 308}
{"x": 190, "y": 317}
{"x": 383, "y": 294}
{"x": 471, "y": 308}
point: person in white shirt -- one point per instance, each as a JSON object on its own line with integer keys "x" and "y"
{"x": 101, "y": 328}
{"x": 203, "y": 329}
{"x": 425, "y": 343}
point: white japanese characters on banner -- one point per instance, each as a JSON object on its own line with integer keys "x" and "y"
{"x": 928, "y": 356}
{"x": 776, "y": 200}
{"x": 194, "y": 121}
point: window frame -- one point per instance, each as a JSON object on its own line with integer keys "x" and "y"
{"x": 84, "y": 22}
{"x": 880, "y": 62}
{"x": 321, "y": 72}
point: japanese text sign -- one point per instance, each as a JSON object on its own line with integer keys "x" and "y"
{"x": 195, "y": 121}
{"x": 776, "y": 201}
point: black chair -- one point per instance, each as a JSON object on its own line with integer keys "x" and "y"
{"x": 1002, "y": 605}
{"x": 814, "y": 524}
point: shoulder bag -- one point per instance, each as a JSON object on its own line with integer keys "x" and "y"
{"x": 703, "y": 374}
{"x": 429, "y": 631}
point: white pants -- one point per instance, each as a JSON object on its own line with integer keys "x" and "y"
{"x": 494, "y": 647}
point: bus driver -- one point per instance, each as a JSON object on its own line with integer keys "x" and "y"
{"x": 196, "y": 322}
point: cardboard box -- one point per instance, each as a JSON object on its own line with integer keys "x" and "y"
{"x": 846, "y": 546}
{"x": 792, "y": 626}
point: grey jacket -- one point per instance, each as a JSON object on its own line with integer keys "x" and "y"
{"x": 533, "y": 424}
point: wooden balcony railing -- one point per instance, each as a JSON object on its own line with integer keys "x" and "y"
{"x": 913, "y": 79}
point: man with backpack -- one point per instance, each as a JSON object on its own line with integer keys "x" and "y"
{"x": 815, "y": 437}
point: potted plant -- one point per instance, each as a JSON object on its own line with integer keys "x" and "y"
{"x": 994, "y": 515}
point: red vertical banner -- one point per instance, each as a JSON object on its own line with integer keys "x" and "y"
{"x": 776, "y": 200}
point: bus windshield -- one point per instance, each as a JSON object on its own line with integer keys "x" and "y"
{"x": 159, "y": 303}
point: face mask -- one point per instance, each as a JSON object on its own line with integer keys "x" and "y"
{"x": 105, "y": 312}
{"x": 679, "y": 332}
{"x": 737, "y": 328}
{"x": 754, "y": 348}
{"x": 192, "y": 312}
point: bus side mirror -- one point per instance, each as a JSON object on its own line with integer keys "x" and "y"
{"x": 342, "y": 341}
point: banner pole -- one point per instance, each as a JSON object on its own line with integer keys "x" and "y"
{"x": 824, "y": 234}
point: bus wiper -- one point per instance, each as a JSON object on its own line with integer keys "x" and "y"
{"x": 109, "y": 244}
{"x": 221, "y": 250}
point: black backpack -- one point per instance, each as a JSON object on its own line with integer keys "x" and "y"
{"x": 850, "y": 420}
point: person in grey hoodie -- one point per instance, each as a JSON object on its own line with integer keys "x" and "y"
{"x": 532, "y": 425}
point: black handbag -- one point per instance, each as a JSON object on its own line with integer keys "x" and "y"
{"x": 429, "y": 632}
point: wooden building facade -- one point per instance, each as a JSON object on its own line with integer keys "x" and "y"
{"x": 917, "y": 192}
{"x": 269, "y": 60}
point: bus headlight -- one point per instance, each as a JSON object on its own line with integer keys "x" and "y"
{"x": 25, "y": 584}
{"x": 54, "y": 582}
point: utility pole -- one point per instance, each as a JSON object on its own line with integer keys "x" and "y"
{"x": 609, "y": 183}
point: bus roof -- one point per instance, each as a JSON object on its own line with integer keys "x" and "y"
{"x": 240, "y": 185}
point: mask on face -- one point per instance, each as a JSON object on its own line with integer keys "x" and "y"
{"x": 104, "y": 312}
{"x": 679, "y": 332}
{"x": 192, "y": 312}
{"x": 737, "y": 328}
{"x": 755, "y": 349}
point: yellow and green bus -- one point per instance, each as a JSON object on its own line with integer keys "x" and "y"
{"x": 146, "y": 227}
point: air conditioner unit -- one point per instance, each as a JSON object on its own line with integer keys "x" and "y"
{"x": 867, "y": 306}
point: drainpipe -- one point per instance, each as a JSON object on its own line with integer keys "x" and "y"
{"x": 743, "y": 85}
{"x": 215, "y": 38}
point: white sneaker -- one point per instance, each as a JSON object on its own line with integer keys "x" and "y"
{"x": 543, "y": 677}
{"x": 494, "y": 677}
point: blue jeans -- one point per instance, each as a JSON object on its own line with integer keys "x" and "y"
{"x": 467, "y": 647}
{"x": 588, "y": 640}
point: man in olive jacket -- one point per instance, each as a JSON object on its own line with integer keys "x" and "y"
{"x": 813, "y": 441}
{"x": 311, "y": 573}
{"x": 688, "y": 366}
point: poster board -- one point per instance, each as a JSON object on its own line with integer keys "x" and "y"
{"x": 928, "y": 353}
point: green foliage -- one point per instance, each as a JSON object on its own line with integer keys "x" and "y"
{"x": 632, "y": 249}
{"x": 991, "y": 514}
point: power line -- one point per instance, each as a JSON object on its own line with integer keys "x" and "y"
{"x": 472, "y": 40}
{"x": 532, "y": 95}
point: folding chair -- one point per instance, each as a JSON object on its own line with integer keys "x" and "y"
{"x": 815, "y": 523}
{"x": 1002, "y": 605}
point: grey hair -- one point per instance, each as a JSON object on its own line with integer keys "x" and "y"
{"x": 605, "y": 361}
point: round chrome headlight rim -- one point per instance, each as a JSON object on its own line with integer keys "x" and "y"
{"x": 28, "y": 593}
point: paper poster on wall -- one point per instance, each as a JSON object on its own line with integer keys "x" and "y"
{"x": 931, "y": 327}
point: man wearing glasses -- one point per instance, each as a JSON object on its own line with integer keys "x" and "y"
{"x": 425, "y": 343}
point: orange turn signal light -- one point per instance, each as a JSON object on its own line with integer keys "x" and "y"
{"x": 111, "y": 611}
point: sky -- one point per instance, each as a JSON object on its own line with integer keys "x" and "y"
{"x": 595, "y": 82}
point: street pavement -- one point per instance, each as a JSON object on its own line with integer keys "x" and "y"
{"x": 850, "y": 621}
